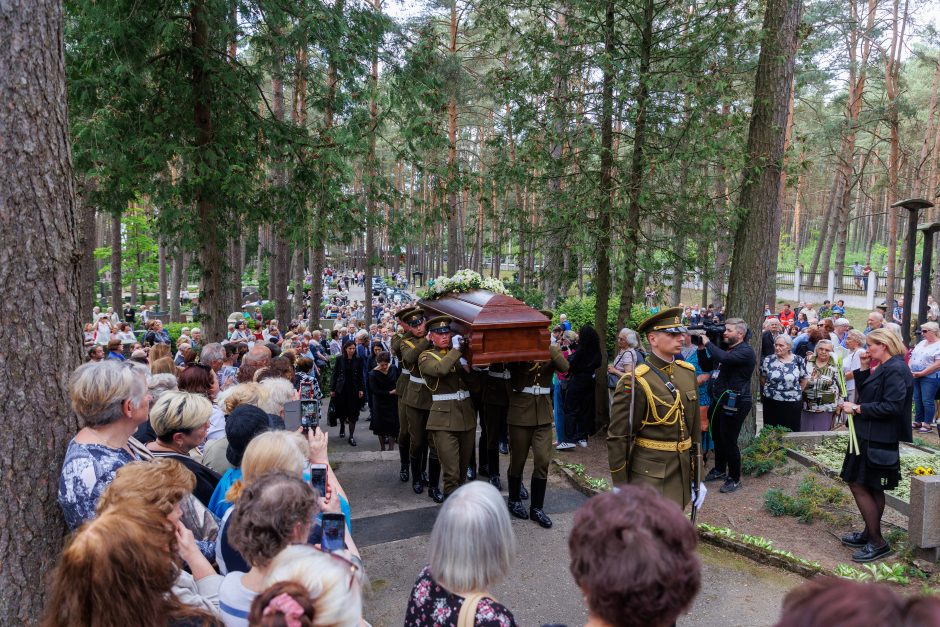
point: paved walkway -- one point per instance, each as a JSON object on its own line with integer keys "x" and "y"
{"x": 391, "y": 525}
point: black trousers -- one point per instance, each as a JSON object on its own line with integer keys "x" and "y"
{"x": 725, "y": 427}
{"x": 579, "y": 407}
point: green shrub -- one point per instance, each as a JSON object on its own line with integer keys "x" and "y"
{"x": 809, "y": 503}
{"x": 765, "y": 453}
{"x": 581, "y": 311}
{"x": 533, "y": 297}
{"x": 268, "y": 312}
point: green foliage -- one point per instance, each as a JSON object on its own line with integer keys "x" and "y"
{"x": 766, "y": 452}
{"x": 532, "y": 296}
{"x": 878, "y": 572}
{"x": 581, "y": 311}
{"x": 597, "y": 484}
{"x": 809, "y": 503}
{"x": 268, "y": 312}
{"x": 757, "y": 541}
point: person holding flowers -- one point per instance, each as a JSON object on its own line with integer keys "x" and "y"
{"x": 821, "y": 395}
{"x": 882, "y": 419}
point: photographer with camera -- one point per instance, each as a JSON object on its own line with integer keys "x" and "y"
{"x": 731, "y": 397}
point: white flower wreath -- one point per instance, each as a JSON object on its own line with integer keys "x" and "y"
{"x": 464, "y": 281}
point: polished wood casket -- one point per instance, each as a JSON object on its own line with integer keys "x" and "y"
{"x": 498, "y": 328}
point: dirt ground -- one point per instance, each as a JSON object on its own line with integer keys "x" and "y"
{"x": 743, "y": 511}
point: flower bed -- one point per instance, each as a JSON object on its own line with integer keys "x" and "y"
{"x": 830, "y": 453}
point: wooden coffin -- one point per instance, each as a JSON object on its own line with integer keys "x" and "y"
{"x": 498, "y": 328}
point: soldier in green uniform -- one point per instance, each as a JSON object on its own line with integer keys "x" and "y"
{"x": 417, "y": 404}
{"x": 654, "y": 424}
{"x": 452, "y": 420}
{"x": 530, "y": 421}
{"x": 411, "y": 319}
{"x": 495, "y": 407}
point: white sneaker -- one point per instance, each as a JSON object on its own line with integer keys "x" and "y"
{"x": 564, "y": 446}
{"x": 582, "y": 443}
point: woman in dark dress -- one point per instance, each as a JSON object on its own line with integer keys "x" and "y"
{"x": 579, "y": 398}
{"x": 882, "y": 419}
{"x": 347, "y": 393}
{"x": 382, "y": 380}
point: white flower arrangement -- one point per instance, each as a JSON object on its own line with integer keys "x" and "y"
{"x": 464, "y": 281}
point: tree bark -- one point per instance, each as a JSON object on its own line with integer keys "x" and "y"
{"x": 892, "y": 74}
{"x": 40, "y": 256}
{"x": 452, "y": 154}
{"x": 163, "y": 279}
{"x": 756, "y": 240}
{"x": 89, "y": 271}
{"x": 176, "y": 283}
{"x": 116, "y": 287}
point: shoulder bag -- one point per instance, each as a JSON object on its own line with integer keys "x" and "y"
{"x": 882, "y": 459}
{"x": 468, "y": 611}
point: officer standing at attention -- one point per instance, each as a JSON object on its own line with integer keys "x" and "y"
{"x": 530, "y": 419}
{"x": 410, "y": 318}
{"x": 654, "y": 417}
{"x": 452, "y": 420}
{"x": 417, "y": 403}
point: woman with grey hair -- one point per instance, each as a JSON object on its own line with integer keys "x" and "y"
{"x": 472, "y": 548}
{"x": 111, "y": 401}
{"x": 822, "y": 395}
{"x": 628, "y": 355}
{"x": 782, "y": 379}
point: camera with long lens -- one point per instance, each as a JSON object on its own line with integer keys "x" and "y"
{"x": 713, "y": 331}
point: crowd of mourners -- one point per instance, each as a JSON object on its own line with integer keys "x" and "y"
{"x": 190, "y": 494}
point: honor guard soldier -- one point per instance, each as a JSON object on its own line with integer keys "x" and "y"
{"x": 495, "y": 406}
{"x": 655, "y": 433}
{"x": 411, "y": 319}
{"x": 417, "y": 404}
{"x": 530, "y": 419}
{"x": 452, "y": 421}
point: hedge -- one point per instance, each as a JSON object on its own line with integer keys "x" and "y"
{"x": 580, "y": 311}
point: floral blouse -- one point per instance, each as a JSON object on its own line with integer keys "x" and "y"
{"x": 431, "y": 605}
{"x": 782, "y": 379}
{"x": 822, "y": 392}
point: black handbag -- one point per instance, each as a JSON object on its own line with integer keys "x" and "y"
{"x": 331, "y": 414}
{"x": 880, "y": 458}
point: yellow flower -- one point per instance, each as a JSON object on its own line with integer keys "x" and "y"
{"x": 923, "y": 470}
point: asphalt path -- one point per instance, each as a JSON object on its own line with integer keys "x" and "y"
{"x": 392, "y": 525}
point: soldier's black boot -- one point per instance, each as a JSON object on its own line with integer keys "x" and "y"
{"x": 538, "y": 500}
{"x": 492, "y": 458}
{"x": 483, "y": 468}
{"x": 472, "y": 468}
{"x": 416, "y": 484}
{"x": 523, "y": 493}
{"x": 424, "y": 467}
{"x": 403, "y": 474}
{"x": 434, "y": 478}
{"x": 516, "y": 508}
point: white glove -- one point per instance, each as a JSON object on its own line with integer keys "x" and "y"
{"x": 455, "y": 341}
{"x": 702, "y": 491}
{"x": 464, "y": 363}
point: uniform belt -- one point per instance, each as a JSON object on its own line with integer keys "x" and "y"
{"x": 415, "y": 379}
{"x": 405, "y": 371}
{"x": 456, "y": 396}
{"x": 662, "y": 445}
{"x": 534, "y": 389}
{"x": 504, "y": 374}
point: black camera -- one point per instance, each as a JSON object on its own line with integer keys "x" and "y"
{"x": 713, "y": 331}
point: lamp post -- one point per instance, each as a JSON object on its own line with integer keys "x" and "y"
{"x": 913, "y": 205}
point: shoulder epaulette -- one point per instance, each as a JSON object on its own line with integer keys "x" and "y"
{"x": 641, "y": 370}
{"x": 685, "y": 365}
{"x": 409, "y": 343}
{"x": 432, "y": 353}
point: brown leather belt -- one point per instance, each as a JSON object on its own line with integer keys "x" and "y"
{"x": 661, "y": 445}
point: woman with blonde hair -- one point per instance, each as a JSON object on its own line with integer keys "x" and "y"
{"x": 163, "y": 484}
{"x": 882, "y": 420}
{"x": 158, "y": 351}
{"x": 121, "y": 569}
{"x": 333, "y": 582}
{"x": 821, "y": 394}
{"x": 163, "y": 365}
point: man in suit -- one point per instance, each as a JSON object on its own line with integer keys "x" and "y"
{"x": 654, "y": 419}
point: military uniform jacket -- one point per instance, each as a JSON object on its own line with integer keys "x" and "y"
{"x": 669, "y": 472}
{"x": 443, "y": 375}
{"x": 416, "y": 394}
{"x": 532, "y": 410}
{"x": 496, "y": 389}
{"x": 401, "y": 385}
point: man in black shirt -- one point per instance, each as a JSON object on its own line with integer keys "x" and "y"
{"x": 731, "y": 399}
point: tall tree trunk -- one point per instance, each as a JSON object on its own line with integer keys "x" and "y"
{"x": 892, "y": 74}
{"x": 116, "y": 287}
{"x": 89, "y": 273}
{"x": 163, "y": 280}
{"x": 756, "y": 240}
{"x": 211, "y": 298}
{"x": 372, "y": 170}
{"x": 297, "y": 269}
{"x": 176, "y": 283}
{"x": 40, "y": 254}
{"x": 452, "y": 154}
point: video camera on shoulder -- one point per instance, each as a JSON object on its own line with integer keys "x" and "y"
{"x": 713, "y": 331}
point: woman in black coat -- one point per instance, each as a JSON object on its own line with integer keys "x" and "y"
{"x": 882, "y": 420}
{"x": 579, "y": 398}
{"x": 382, "y": 380}
{"x": 347, "y": 390}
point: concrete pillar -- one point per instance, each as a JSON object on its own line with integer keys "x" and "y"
{"x": 870, "y": 296}
{"x": 831, "y": 286}
{"x": 923, "y": 523}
